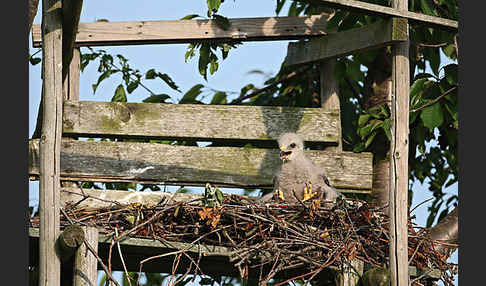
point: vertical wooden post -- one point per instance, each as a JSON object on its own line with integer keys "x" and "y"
{"x": 399, "y": 160}
{"x": 85, "y": 263}
{"x": 330, "y": 95}
{"x": 351, "y": 270}
{"x": 50, "y": 143}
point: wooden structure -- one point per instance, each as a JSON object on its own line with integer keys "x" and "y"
{"x": 55, "y": 158}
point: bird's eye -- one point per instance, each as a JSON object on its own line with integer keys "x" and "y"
{"x": 292, "y": 145}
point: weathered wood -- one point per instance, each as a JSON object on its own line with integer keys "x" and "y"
{"x": 352, "y": 272}
{"x": 70, "y": 87}
{"x": 330, "y": 96}
{"x": 104, "y": 199}
{"x": 85, "y": 263}
{"x": 334, "y": 45}
{"x": 71, "y": 12}
{"x": 399, "y": 160}
{"x": 186, "y": 165}
{"x": 187, "y": 31}
{"x": 214, "y": 259}
{"x": 70, "y": 239}
{"x": 374, "y": 9}
{"x": 196, "y": 121}
{"x": 50, "y": 143}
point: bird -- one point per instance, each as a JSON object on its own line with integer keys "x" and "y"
{"x": 298, "y": 178}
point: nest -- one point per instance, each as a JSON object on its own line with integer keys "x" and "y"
{"x": 278, "y": 236}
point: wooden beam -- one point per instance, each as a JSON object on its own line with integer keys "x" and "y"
{"x": 334, "y": 45}
{"x": 71, "y": 12}
{"x": 102, "y": 199}
{"x": 197, "y": 122}
{"x": 214, "y": 259}
{"x": 187, "y": 165}
{"x": 399, "y": 173}
{"x": 50, "y": 143}
{"x": 330, "y": 96}
{"x": 374, "y": 9}
{"x": 187, "y": 31}
{"x": 85, "y": 263}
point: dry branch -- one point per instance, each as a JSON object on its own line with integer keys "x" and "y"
{"x": 265, "y": 239}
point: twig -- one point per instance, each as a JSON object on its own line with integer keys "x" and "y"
{"x": 108, "y": 273}
{"x": 121, "y": 258}
{"x": 261, "y": 90}
{"x": 435, "y": 100}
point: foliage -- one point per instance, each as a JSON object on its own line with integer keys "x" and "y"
{"x": 365, "y": 120}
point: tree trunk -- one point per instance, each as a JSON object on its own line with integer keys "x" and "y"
{"x": 447, "y": 231}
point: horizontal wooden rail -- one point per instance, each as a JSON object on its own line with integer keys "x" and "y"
{"x": 374, "y": 9}
{"x": 197, "y": 121}
{"x": 380, "y": 34}
{"x": 184, "y": 165}
{"x": 215, "y": 260}
{"x": 186, "y": 31}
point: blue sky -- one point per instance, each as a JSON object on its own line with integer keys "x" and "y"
{"x": 231, "y": 76}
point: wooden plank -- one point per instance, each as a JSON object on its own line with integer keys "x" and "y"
{"x": 105, "y": 199}
{"x": 330, "y": 96}
{"x": 186, "y": 165}
{"x": 85, "y": 263}
{"x": 374, "y": 9}
{"x": 214, "y": 259}
{"x": 187, "y": 31}
{"x": 398, "y": 199}
{"x": 334, "y": 45}
{"x": 197, "y": 122}
{"x": 50, "y": 143}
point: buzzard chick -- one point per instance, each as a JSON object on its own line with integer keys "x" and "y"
{"x": 298, "y": 177}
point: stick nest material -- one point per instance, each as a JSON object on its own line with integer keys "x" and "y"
{"x": 277, "y": 236}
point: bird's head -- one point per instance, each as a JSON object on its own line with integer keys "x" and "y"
{"x": 291, "y": 146}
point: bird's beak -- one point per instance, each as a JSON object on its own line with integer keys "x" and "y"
{"x": 284, "y": 155}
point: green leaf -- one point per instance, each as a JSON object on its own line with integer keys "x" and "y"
{"x": 132, "y": 86}
{"x": 363, "y": 132}
{"x": 370, "y": 139}
{"x": 166, "y": 78}
{"x": 219, "y": 98}
{"x": 213, "y": 66}
{"x": 450, "y": 51}
{"x": 213, "y": 6}
{"x": 434, "y": 60}
{"x": 190, "y": 52}
{"x": 120, "y": 95}
{"x": 280, "y": 4}
{"x": 206, "y": 281}
{"x": 189, "y": 17}
{"x": 363, "y": 119}
{"x": 150, "y": 74}
{"x": 427, "y": 7}
{"x": 359, "y": 148}
{"x": 190, "y": 96}
{"x": 415, "y": 90}
{"x": 432, "y": 116}
{"x": 157, "y": 98}
{"x": 387, "y": 128}
{"x": 219, "y": 195}
{"x": 222, "y": 22}
{"x": 102, "y": 77}
{"x": 204, "y": 54}
{"x": 34, "y": 61}
{"x": 450, "y": 72}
